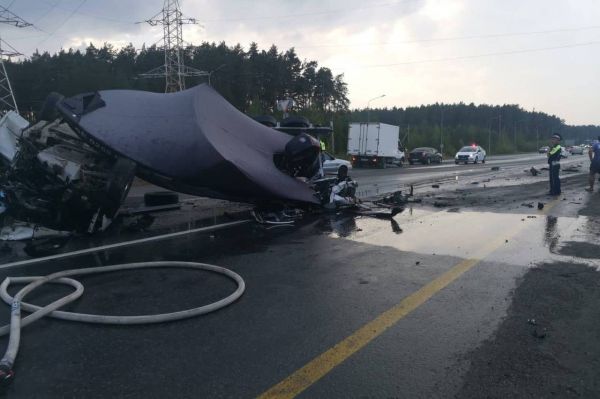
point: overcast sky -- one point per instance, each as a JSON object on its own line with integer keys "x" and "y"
{"x": 542, "y": 54}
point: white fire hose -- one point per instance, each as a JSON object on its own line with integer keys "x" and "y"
{"x": 37, "y": 312}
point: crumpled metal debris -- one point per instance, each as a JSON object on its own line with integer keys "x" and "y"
{"x": 25, "y": 231}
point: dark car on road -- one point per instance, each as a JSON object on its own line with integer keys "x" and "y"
{"x": 424, "y": 155}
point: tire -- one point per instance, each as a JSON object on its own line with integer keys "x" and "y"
{"x": 383, "y": 163}
{"x": 428, "y": 161}
{"x": 343, "y": 170}
{"x": 119, "y": 183}
{"x": 475, "y": 161}
{"x": 266, "y": 120}
{"x": 411, "y": 162}
{"x": 483, "y": 160}
{"x": 295, "y": 121}
{"x": 456, "y": 162}
{"x": 48, "y": 112}
{"x": 158, "y": 198}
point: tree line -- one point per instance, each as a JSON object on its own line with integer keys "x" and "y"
{"x": 499, "y": 129}
{"x": 253, "y": 80}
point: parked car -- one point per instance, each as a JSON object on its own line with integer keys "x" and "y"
{"x": 332, "y": 165}
{"x": 576, "y": 149}
{"x": 425, "y": 155}
{"x": 472, "y": 153}
{"x": 544, "y": 149}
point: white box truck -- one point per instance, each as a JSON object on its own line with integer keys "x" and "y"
{"x": 375, "y": 144}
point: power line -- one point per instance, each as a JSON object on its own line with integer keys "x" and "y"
{"x": 459, "y": 38}
{"x": 473, "y": 56}
{"x": 63, "y": 22}
{"x": 311, "y": 13}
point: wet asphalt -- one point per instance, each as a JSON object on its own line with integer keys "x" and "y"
{"x": 308, "y": 287}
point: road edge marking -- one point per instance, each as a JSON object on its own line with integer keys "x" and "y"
{"x": 123, "y": 244}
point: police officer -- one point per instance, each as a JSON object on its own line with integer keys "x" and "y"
{"x": 554, "y": 155}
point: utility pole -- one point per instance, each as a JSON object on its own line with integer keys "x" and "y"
{"x": 7, "y": 96}
{"x": 499, "y": 125}
{"x": 173, "y": 70}
{"x": 489, "y": 151}
{"x": 442, "y": 131}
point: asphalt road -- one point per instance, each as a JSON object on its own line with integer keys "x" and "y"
{"x": 339, "y": 306}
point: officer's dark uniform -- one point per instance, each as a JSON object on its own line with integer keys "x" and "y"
{"x": 554, "y": 155}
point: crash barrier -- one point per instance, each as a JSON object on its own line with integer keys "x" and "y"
{"x": 16, "y": 323}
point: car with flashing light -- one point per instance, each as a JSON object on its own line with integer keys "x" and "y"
{"x": 472, "y": 153}
{"x": 424, "y": 155}
{"x": 332, "y": 165}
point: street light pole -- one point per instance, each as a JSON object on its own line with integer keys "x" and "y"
{"x": 213, "y": 71}
{"x": 489, "y": 151}
{"x": 369, "y": 108}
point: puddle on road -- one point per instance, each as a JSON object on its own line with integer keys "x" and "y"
{"x": 510, "y": 238}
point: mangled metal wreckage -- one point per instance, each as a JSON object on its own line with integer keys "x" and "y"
{"x": 72, "y": 170}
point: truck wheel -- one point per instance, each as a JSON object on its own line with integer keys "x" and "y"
{"x": 266, "y": 120}
{"x": 383, "y": 163}
{"x": 428, "y": 161}
{"x": 48, "y": 112}
{"x": 118, "y": 185}
{"x": 295, "y": 121}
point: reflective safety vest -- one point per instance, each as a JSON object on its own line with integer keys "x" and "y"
{"x": 554, "y": 155}
{"x": 322, "y": 145}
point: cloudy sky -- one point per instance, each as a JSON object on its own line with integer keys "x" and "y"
{"x": 542, "y": 54}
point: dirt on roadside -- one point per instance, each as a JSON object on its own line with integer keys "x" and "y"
{"x": 548, "y": 345}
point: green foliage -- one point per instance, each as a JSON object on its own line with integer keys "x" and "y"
{"x": 252, "y": 81}
{"x": 499, "y": 129}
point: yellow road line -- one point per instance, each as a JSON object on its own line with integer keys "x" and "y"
{"x": 328, "y": 360}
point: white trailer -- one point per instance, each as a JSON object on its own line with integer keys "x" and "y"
{"x": 374, "y": 144}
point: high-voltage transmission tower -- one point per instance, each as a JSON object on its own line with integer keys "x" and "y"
{"x": 7, "y": 97}
{"x": 173, "y": 71}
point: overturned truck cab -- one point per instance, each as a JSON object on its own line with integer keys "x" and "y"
{"x": 73, "y": 170}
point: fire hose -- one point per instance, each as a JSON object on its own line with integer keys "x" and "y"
{"x": 37, "y": 312}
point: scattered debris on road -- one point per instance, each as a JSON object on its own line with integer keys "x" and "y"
{"x": 534, "y": 171}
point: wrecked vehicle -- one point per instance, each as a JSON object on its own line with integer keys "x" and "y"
{"x": 73, "y": 170}
{"x": 52, "y": 177}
